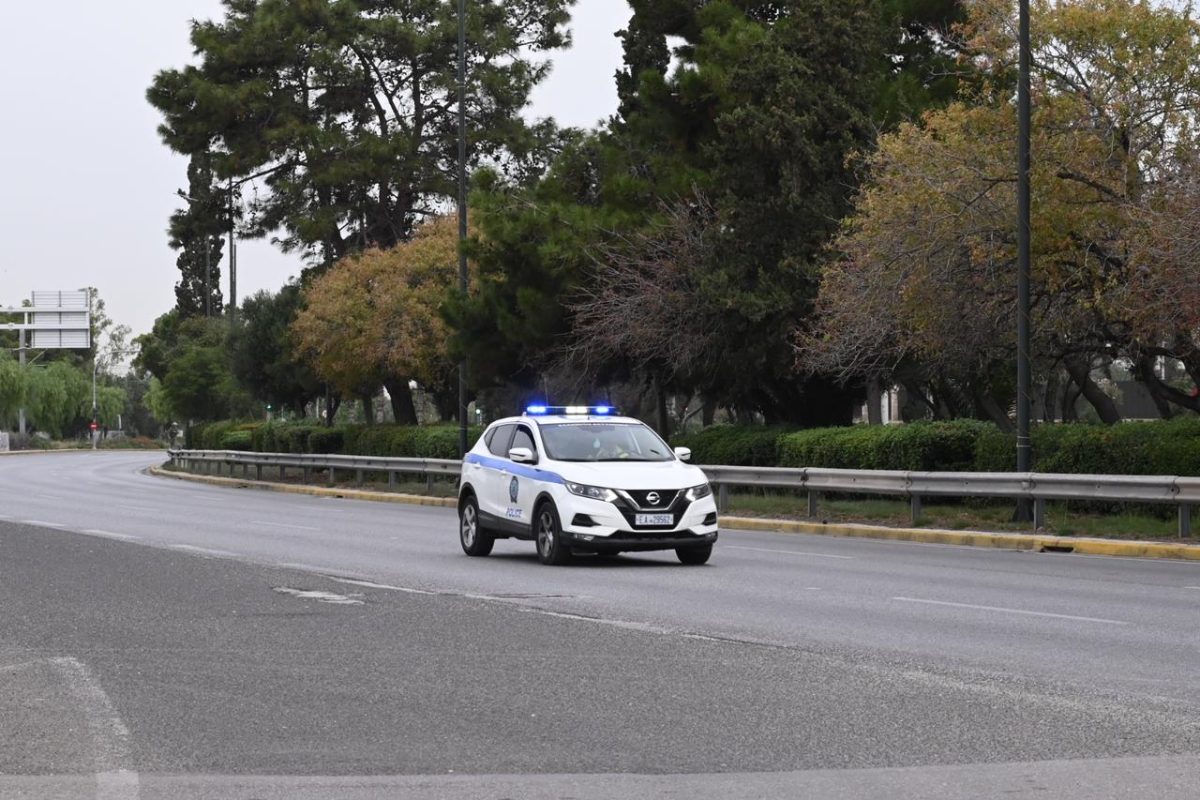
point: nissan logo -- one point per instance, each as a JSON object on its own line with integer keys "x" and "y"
{"x": 653, "y": 498}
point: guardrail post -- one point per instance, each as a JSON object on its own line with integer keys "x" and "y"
{"x": 1185, "y": 520}
{"x": 332, "y": 475}
{"x": 258, "y": 472}
{"x": 282, "y": 472}
{"x": 914, "y": 503}
{"x": 1039, "y": 513}
{"x": 306, "y": 474}
{"x": 428, "y": 483}
{"x": 358, "y": 477}
{"x": 391, "y": 479}
{"x": 723, "y": 498}
{"x": 814, "y": 498}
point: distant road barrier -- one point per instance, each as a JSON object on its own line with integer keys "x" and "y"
{"x": 1036, "y": 487}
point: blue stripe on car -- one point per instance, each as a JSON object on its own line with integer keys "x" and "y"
{"x": 522, "y": 470}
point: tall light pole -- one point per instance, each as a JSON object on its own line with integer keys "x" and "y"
{"x": 1024, "y": 445}
{"x": 232, "y": 261}
{"x": 462, "y": 210}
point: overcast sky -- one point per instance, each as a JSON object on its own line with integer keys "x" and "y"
{"x": 86, "y": 186}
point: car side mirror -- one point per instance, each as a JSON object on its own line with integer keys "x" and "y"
{"x": 683, "y": 453}
{"x": 522, "y": 455}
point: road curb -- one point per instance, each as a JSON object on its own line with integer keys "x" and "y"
{"x": 314, "y": 491}
{"x": 996, "y": 541}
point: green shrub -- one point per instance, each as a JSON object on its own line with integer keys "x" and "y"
{"x": 927, "y": 446}
{"x": 236, "y": 440}
{"x": 325, "y": 440}
{"x": 733, "y": 445}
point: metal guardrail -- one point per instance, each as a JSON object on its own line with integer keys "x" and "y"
{"x": 1033, "y": 486}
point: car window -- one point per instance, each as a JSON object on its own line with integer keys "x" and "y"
{"x": 498, "y": 445}
{"x": 524, "y": 438}
{"x": 593, "y": 441}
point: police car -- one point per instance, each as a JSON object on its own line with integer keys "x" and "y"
{"x": 581, "y": 479}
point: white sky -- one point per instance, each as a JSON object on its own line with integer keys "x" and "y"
{"x": 86, "y": 186}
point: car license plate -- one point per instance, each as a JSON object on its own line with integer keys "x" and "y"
{"x": 654, "y": 519}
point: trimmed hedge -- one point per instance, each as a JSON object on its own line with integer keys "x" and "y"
{"x": 399, "y": 441}
{"x": 1130, "y": 448}
{"x": 927, "y": 446}
{"x": 734, "y": 445}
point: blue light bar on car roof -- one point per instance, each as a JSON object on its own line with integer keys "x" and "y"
{"x": 590, "y": 411}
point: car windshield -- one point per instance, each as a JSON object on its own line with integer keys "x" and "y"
{"x": 598, "y": 441}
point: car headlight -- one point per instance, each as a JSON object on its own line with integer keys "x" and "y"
{"x": 591, "y": 492}
{"x": 697, "y": 492}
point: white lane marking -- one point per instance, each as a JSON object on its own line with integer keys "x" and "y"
{"x": 388, "y": 587}
{"x": 1010, "y": 610}
{"x": 284, "y": 525}
{"x": 203, "y": 550}
{"x": 42, "y": 524}
{"x": 788, "y": 552}
{"x": 641, "y": 627}
{"x": 110, "y": 736}
{"x": 110, "y": 534}
{"x": 134, "y": 508}
{"x": 316, "y": 594}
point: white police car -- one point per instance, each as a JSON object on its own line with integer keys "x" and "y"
{"x": 581, "y": 479}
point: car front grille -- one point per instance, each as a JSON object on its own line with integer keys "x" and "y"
{"x": 653, "y": 499}
{"x": 678, "y": 505}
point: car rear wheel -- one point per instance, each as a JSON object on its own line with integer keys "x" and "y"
{"x": 474, "y": 539}
{"x": 696, "y": 554}
{"x": 551, "y": 548}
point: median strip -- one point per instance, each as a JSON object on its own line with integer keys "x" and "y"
{"x": 998, "y": 541}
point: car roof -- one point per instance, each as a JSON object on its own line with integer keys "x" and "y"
{"x": 561, "y": 419}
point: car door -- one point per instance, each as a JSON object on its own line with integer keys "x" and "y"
{"x": 494, "y": 472}
{"x": 518, "y": 486}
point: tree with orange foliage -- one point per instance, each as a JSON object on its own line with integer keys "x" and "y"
{"x": 375, "y": 318}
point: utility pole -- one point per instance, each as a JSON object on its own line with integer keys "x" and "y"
{"x": 207, "y": 279}
{"x": 1024, "y": 445}
{"x": 21, "y": 363}
{"x": 463, "y": 276}
{"x": 232, "y": 260}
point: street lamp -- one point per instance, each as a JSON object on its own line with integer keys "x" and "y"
{"x": 462, "y": 211}
{"x": 232, "y": 257}
{"x": 1024, "y": 445}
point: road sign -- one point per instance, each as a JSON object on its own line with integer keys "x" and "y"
{"x": 54, "y": 320}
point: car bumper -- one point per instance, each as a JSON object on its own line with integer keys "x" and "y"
{"x": 633, "y": 541}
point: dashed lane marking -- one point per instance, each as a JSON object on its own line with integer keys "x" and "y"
{"x": 1020, "y": 611}
{"x": 787, "y": 552}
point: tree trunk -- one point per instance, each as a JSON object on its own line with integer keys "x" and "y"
{"x": 1049, "y": 396}
{"x": 1163, "y": 394}
{"x": 1080, "y": 371}
{"x": 403, "y": 408}
{"x": 874, "y": 401}
{"x": 368, "y": 404}
{"x": 991, "y": 410}
{"x": 333, "y": 402}
{"x": 709, "y": 414}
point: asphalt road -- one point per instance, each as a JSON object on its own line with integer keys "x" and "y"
{"x": 198, "y": 641}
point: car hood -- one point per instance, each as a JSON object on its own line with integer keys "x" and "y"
{"x": 631, "y": 475}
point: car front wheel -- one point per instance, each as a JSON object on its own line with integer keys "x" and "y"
{"x": 694, "y": 554}
{"x": 474, "y": 539}
{"x": 551, "y": 548}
